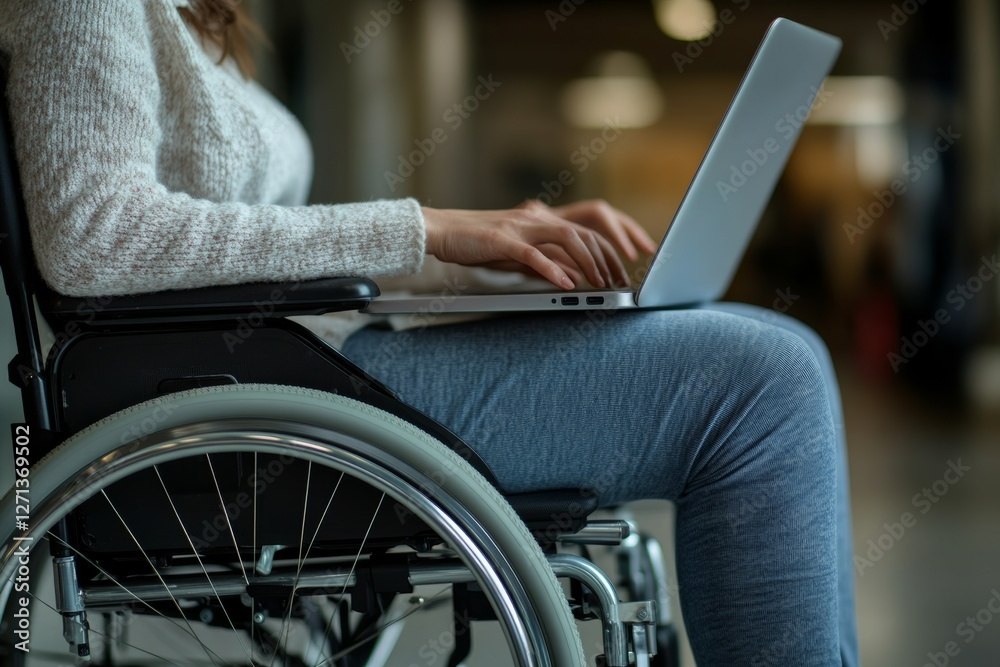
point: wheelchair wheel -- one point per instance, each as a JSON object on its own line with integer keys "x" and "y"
{"x": 263, "y": 525}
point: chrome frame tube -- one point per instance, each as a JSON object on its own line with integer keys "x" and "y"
{"x": 577, "y": 567}
{"x": 608, "y": 533}
{"x": 149, "y": 589}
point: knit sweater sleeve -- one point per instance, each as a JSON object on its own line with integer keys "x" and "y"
{"x": 85, "y": 100}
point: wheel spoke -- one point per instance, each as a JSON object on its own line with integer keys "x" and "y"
{"x": 315, "y": 534}
{"x": 354, "y": 565}
{"x": 283, "y": 632}
{"x": 346, "y": 651}
{"x": 322, "y": 518}
{"x": 156, "y": 572}
{"x": 194, "y": 551}
{"x": 229, "y": 525}
{"x": 91, "y": 630}
{"x": 236, "y": 546}
{"x": 125, "y": 588}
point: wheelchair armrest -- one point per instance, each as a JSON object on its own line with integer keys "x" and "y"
{"x": 548, "y": 513}
{"x": 313, "y": 297}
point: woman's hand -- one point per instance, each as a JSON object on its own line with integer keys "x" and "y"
{"x": 626, "y": 234}
{"x": 563, "y": 245}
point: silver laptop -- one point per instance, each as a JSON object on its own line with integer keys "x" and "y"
{"x": 702, "y": 248}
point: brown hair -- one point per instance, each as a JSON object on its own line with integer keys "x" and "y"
{"x": 227, "y": 24}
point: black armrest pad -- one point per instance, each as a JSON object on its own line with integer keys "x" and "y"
{"x": 313, "y": 297}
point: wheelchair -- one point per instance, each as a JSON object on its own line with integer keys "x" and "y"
{"x": 201, "y": 481}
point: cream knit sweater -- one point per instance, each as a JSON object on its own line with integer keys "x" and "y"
{"x": 146, "y": 166}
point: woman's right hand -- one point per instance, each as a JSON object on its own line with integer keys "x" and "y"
{"x": 532, "y": 239}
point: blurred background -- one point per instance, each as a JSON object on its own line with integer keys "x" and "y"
{"x": 478, "y": 104}
{"x": 475, "y": 104}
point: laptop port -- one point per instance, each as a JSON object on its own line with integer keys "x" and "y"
{"x": 595, "y": 300}
{"x": 571, "y": 301}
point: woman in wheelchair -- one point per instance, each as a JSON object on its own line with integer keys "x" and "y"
{"x": 151, "y": 161}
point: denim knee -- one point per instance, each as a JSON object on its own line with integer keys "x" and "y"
{"x": 770, "y": 408}
{"x": 800, "y": 384}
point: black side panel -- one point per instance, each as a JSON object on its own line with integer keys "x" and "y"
{"x": 98, "y": 374}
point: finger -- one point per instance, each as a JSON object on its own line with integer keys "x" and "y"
{"x": 597, "y": 268}
{"x": 605, "y": 219}
{"x": 618, "y": 275}
{"x": 573, "y": 273}
{"x": 516, "y": 267}
{"x": 638, "y": 234}
{"x": 553, "y": 252}
{"x": 551, "y": 229}
{"x": 565, "y": 262}
{"x": 616, "y": 232}
{"x": 612, "y": 269}
{"x": 597, "y": 245}
{"x": 531, "y": 256}
{"x": 532, "y": 205}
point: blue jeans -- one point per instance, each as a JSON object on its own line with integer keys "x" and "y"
{"x": 730, "y": 411}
